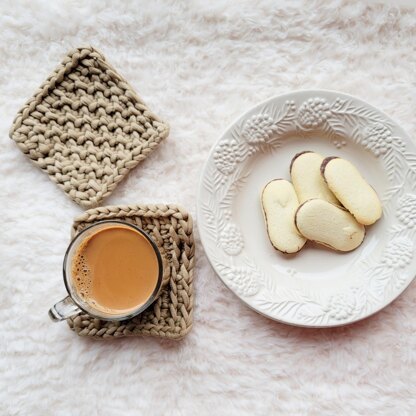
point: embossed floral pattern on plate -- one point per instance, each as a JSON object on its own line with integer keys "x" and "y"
{"x": 378, "y": 274}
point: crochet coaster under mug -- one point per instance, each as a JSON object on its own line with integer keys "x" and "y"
{"x": 86, "y": 127}
{"x": 170, "y": 316}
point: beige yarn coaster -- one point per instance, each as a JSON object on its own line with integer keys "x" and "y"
{"x": 86, "y": 127}
{"x": 171, "y": 315}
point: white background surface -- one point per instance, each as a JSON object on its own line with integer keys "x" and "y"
{"x": 198, "y": 66}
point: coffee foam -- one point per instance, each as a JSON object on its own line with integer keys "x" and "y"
{"x": 81, "y": 274}
{"x": 82, "y": 279}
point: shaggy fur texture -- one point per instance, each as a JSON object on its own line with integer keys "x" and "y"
{"x": 198, "y": 65}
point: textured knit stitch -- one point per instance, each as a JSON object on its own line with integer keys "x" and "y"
{"x": 170, "y": 316}
{"x": 86, "y": 127}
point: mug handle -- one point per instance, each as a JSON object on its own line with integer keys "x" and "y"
{"x": 63, "y": 310}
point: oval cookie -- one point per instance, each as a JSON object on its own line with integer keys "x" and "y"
{"x": 354, "y": 193}
{"x": 305, "y": 170}
{"x": 279, "y": 202}
{"x": 328, "y": 224}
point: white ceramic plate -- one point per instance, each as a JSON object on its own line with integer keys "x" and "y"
{"x": 316, "y": 287}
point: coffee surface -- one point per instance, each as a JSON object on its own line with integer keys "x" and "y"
{"x": 115, "y": 270}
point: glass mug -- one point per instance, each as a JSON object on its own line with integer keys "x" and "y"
{"x": 73, "y": 304}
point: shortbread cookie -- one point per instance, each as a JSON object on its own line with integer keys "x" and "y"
{"x": 328, "y": 224}
{"x": 305, "y": 170}
{"x": 354, "y": 193}
{"x": 279, "y": 202}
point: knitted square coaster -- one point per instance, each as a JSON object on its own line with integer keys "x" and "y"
{"x": 170, "y": 316}
{"x": 86, "y": 127}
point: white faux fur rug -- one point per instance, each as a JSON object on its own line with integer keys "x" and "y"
{"x": 198, "y": 65}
